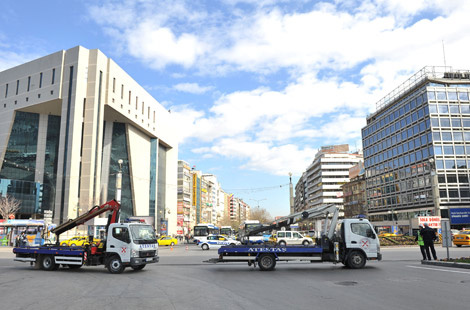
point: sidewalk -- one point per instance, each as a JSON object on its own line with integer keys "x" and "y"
{"x": 445, "y": 264}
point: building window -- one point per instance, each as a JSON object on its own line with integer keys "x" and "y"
{"x": 40, "y": 80}
{"x": 114, "y": 85}
{"x": 6, "y": 90}
{"x": 136, "y": 102}
{"x": 29, "y": 83}
{"x": 53, "y": 76}
{"x": 130, "y": 95}
{"x": 122, "y": 91}
{"x": 17, "y": 86}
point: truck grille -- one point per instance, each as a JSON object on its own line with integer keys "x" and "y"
{"x": 147, "y": 253}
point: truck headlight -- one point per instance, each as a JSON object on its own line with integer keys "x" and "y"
{"x": 134, "y": 253}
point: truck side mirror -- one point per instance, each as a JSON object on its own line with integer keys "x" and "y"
{"x": 370, "y": 233}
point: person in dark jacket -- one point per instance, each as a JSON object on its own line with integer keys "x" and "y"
{"x": 429, "y": 236}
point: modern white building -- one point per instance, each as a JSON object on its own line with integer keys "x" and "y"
{"x": 327, "y": 173}
{"x": 66, "y": 121}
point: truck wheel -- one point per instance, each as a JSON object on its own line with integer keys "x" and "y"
{"x": 140, "y": 267}
{"x": 48, "y": 263}
{"x": 205, "y": 246}
{"x": 115, "y": 265}
{"x": 266, "y": 262}
{"x": 305, "y": 242}
{"x": 282, "y": 243}
{"x": 356, "y": 260}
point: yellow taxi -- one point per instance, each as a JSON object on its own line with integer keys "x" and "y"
{"x": 462, "y": 238}
{"x": 78, "y": 241}
{"x": 167, "y": 240}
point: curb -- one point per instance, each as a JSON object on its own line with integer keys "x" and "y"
{"x": 446, "y": 264}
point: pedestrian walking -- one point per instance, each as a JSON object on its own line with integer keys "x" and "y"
{"x": 419, "y": 238}
{"x": 187, "y": 238}
{"x": 429, "y": 236}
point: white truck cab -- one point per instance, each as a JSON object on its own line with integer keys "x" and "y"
{"x": 359, "y": 237}
{"x": 130, "y": 245}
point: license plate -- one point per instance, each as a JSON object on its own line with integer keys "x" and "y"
{"x": 149, "y": 259}
{"x": 458, "y": 237}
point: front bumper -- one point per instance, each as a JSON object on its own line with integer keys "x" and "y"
{"x": 137, "y": 261}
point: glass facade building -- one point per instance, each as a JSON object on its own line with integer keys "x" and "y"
{"x": 417, "y": 147}
{"x": 62, "y": 136}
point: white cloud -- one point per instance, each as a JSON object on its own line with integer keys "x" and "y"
{"x": 340, "y": 57}
{"x": 193, "y": 88}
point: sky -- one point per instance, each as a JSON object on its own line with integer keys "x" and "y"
{"x": 255, "y": 87}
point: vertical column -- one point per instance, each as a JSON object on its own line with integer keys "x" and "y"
{"x": 41, "y": 149}
{"x": 107, "y": 143}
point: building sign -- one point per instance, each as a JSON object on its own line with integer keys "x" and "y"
{"x": 460, "y": 216}
{"x": 432, "y": 221}
{"x": 163, "y": 227}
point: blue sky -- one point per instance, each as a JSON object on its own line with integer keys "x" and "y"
{"x": 255, "y": 86}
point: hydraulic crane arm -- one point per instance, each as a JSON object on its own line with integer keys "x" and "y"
{"x": 111, "y": 205}
{"x": 323, "y": 211}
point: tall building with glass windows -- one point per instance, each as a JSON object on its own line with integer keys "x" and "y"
{"x": 66, "y": 120}
{"x": 417, "y": 148}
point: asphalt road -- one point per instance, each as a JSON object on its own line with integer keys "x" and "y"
{"x": 182, "y": 281}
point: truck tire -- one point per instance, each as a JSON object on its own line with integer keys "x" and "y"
{"x": 115, "y": 265}
{"x": 282, "y": 243}
{"x": 305, "y": 242}
{"x": 205, "y": 247}
{"x": 48, "y": 263}
{"x": 266, "y": 262}
{"x": 140, "y": 267}
{"x": 356, "y": 260}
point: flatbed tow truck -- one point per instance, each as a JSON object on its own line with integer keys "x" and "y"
{"x": 128, "y": 244}
{"x": 354, "y": 243}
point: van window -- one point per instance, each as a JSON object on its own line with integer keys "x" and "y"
{"x": 281, "y": 234}
{"x": 296, "y": 235}
{"x": 288, "y": 234}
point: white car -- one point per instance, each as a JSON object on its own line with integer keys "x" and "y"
{"x": 292, "y": 238}
{"x": 216, "y": 241}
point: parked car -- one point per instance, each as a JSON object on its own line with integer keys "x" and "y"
{"x": 167, "y": 240}
{"x": 462, "y": 238}
{"x": 292, "y": 237}
{"x": 217, "y": 241}
{"x": 78, "y": 241}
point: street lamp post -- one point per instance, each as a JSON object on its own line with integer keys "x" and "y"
{"x": 394, "y": 215}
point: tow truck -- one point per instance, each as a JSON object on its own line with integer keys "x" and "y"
{"x": 352, "y": 245}
{"x": 129, "y": 244}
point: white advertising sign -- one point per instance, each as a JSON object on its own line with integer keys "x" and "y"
{"x": 432, "y": 221}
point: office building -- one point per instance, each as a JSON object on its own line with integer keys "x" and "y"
{"x": 416, "y": 149}
{"x": 69, "y": 122}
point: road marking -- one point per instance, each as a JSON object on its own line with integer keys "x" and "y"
{"x": 437, "y": 269}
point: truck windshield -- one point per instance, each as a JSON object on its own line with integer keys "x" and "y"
{"x": 143, "y": 234}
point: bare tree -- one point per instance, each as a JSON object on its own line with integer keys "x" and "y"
{"x": 260, "y": 214}
{"x": 9, "y": 205}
